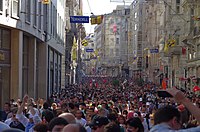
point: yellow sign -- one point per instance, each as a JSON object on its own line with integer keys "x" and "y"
{"x": 96, "y": 19}
{"x": 2, "y": 57}
{"x": 45, "y": 1}
{"x": 84, "y": 42}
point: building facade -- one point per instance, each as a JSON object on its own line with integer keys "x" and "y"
{"x": 115, "y": 42}
{"x": 137, "y": 37}
{"x": 31, "y": 47}
{"x": 191, "y": 40}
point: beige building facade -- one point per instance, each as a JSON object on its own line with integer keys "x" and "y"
{"x": 31, "y": 46}
{"x": 191, "y": 40}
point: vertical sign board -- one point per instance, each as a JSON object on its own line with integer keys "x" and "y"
{"x": 79, "y": 19}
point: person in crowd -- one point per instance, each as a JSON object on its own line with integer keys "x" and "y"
{"x": 112, "y": 127}
{"x": 57, "y": 124}
{"x": 33, "y": 117}
{"x": 169, "y": 118}
{"x": 122, "y": 121}
{"x": 40, "y": 127}
{"x": 79, "y": 118}
{"x": 54, "y": 109}
{"x": 134, "y": 125}
{"x": 5, "y": 112}
{"x": 12, "y": 130}
{"x": 74, "y": 128}
{"x": 3, "y": 126}
{"x": 13, "y": 122}
{"x": 69, "y": 117}
{"x": 98, "y": 123}
{"x": 108, "y": 101}
{"x": 47, "y": 114}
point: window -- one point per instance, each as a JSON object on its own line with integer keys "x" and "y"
{"x": 1, "y": 5}
{"x": 51, "y": 18}
{"x": 59, "y": 72}
{"x": 117, "y": 40}
{"x": 135, "y": 14}
{"x": 178, "y": 6}
{"x": 135, "y": 38}
{"x": 35, "y": 13}
{"x": 198, "y": 50}
{"x": 56, "y": 72}
{"x": 135, "y": 27}
{"x": 15, "y": 8}
{"x": 194, "y": 55}
{"x": 40, "y": 15}
{"x": 37, "y": 68}
{"x": 178, "y": 2}
{"x": 44, "y": 17}
{"x": 28, "y": 10}
{"x": 4, "y": 39}
{"x": 190, "y": 56}
{"x": 56, "y": 31}
{"x": 177, "y": 41}
{"x": 25, "y": 64}
{"x": 117, "y": 52}
{"x": 111, "y": 52}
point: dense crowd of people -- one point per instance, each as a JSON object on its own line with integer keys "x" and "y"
{"x": 122, "y": 107}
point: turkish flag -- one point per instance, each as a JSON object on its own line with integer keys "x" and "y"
{"x": 196, "y": 88}
{"x": 164, "y": 84}
{"x": 183, "y": 51}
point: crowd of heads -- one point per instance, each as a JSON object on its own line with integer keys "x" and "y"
{"x": 106, "y": 108}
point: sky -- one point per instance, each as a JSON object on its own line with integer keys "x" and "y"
{"x": 98, "y": 7}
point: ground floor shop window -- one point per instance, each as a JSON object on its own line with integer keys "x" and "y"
{"x": 4, "y": 84}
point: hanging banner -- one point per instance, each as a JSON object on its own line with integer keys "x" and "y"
{"x": 79, "y": 19}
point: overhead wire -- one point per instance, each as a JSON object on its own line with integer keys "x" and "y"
{"x": 89, "y": 6}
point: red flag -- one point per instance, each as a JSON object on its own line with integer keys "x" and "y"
{"x": 196, "y": 88}
{"x": 164, "y": 84}
{"x": 183, "y": 51}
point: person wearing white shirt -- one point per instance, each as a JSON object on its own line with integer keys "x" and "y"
{"x": 33, "y": 116}
{"x": 79, "y": 118}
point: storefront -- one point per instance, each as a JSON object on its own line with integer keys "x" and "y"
{"x": 5, "y": 48}
{"x": 54, "y": 71}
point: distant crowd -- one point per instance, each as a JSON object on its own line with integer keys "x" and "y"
{"x": 121, "y": 106}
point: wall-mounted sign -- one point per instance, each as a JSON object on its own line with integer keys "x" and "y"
{"x": 154, "y": 50}
{"x": 89, "y": 50}
{"x": 79, "y": 19}
{"x": 4, "y": 56}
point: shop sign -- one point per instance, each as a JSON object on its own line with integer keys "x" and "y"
{"x": 154, "y": 51}
{"x": 4, "y": 57}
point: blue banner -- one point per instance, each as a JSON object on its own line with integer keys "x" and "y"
{"x": 89, "y": 50}
{"x": 154, "y": 50}
{"x": 79, "y": 19}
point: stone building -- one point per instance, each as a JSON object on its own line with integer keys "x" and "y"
{"x": 31, "y": 46}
